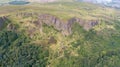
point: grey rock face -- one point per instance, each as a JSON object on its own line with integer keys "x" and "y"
{"x": 2, "y": 21}
{"x": 25, "y": 14}
{"x": 64, "y": 27}
{"x": 11, "y": 27}
{"x": 90, "y": 24}
{"x": 51, "y": 21}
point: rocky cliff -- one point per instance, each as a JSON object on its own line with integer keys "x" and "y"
{"x": 2, "y": 21}
{"x": 64, "y": 27}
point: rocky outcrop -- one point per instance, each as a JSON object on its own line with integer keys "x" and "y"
{"x": 87, "y": 24}
{"x": 2, "y": 21}
{"x": 26, "y": 14}
{"x": 51, "y": 20}
{"x": 64, "y": 27}
{"x": 11, "y": 27}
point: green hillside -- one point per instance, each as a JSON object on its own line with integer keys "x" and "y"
{"x": 59, "y": 34}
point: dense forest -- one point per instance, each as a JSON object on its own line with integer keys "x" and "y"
{"x": 16, "y": 50}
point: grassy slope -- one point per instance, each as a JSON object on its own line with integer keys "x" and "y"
{"x": 65, "y": 10}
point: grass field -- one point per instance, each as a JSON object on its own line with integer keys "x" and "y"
{"x": 64, "y": 10}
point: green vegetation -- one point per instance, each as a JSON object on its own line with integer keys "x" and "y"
{"x": 16, "y": 51}
{"x": 22, "y": 44}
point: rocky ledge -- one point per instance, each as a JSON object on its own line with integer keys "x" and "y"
{"x": 2, "y": 20}
{"x": 64, "y": 27}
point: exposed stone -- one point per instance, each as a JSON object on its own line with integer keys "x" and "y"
{"x": 90, "y": 24}
{"x": 31, "y": 32}
{"x": 64, "y": 27}
{"x": 11, "y": 27}
{"x": 52, "y": 40}
{"x": 2, "y": 20}
{"x": 26, "y": 14}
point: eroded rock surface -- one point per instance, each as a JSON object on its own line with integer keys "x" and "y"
{"x": 64, "y": 27}
{"x": 11, "y": 27}
{"x": 26, "y": 14}
{"x": 2, "y": 21}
